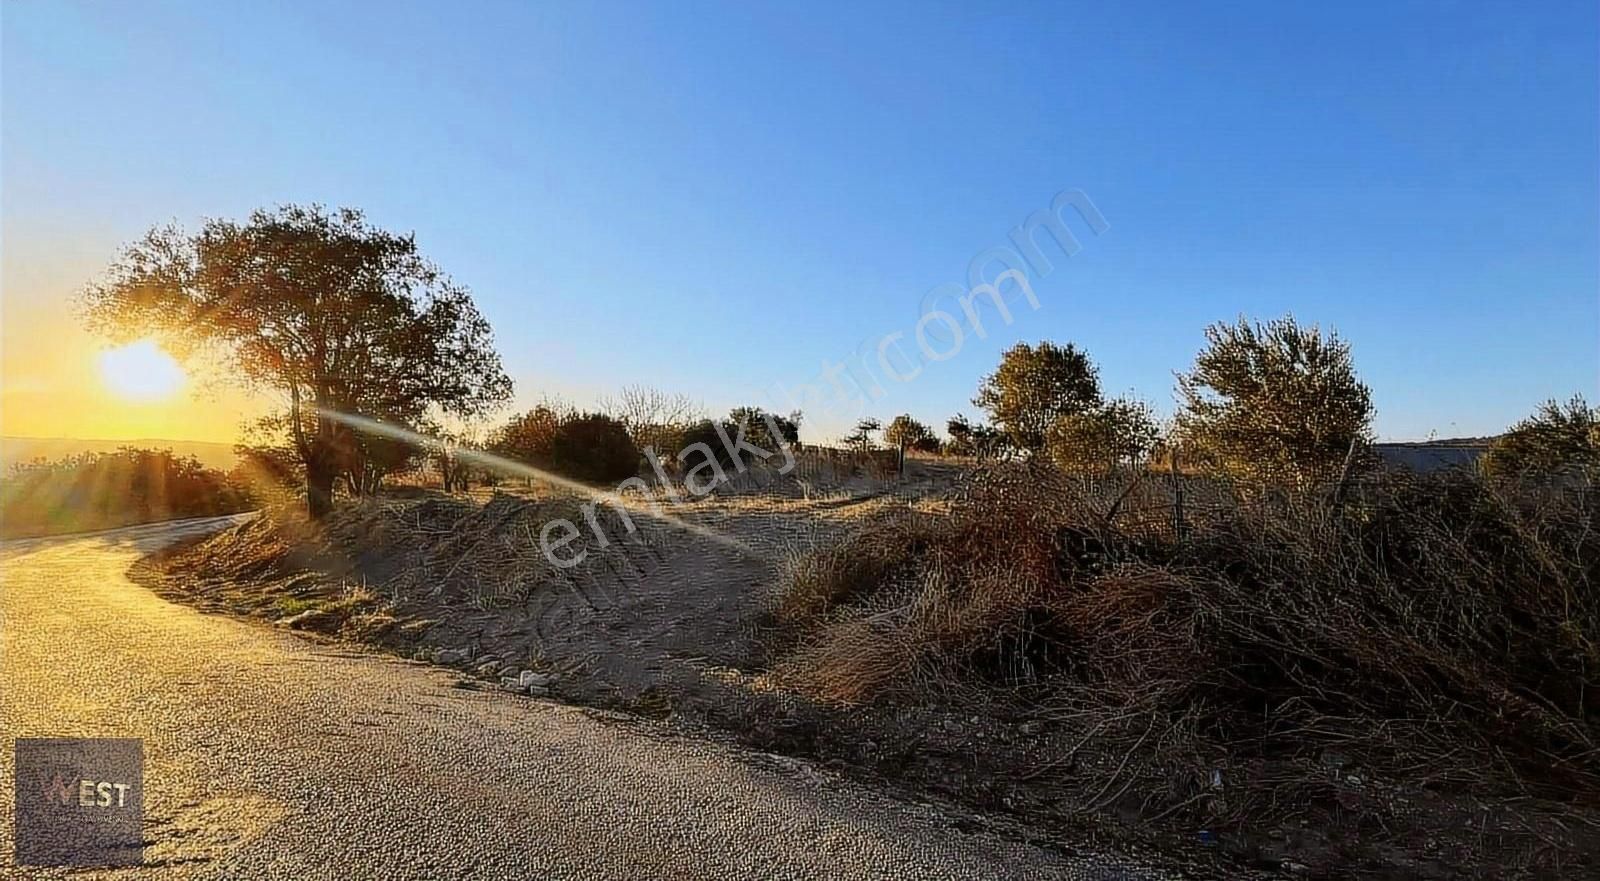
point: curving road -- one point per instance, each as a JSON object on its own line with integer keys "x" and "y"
{"x": 267, "y": 756}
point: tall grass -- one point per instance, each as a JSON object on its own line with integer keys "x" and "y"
{"x": 1441, "y": 629}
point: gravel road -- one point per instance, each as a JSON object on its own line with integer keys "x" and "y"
{"x": 269, "y": 756}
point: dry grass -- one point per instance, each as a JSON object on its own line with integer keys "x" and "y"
{"x": 1439, "y": 631}
{"x": 416, "y": 558}
{"x": 817, "y": 581}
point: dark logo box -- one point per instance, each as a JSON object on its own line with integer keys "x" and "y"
{"x": 79, "y": 801}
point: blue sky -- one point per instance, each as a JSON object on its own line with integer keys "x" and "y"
{"x": 715, "y": 198}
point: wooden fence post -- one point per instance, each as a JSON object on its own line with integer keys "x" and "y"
{"x": 1177, "y": 495}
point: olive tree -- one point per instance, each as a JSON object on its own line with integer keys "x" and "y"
{"x": 339, "y": 317}
{"x": 1274, "y": 402}
{"x": 1121, "y": 431}
{"x": 1555, "y": 438}
{"x": 1036, "y": 385}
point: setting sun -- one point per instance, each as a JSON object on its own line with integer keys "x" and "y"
{"x": 141, "y": 371}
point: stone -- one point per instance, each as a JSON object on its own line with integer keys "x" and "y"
{"x": 530, "y": 679}
{"x": 489, "y": 670}
{"x": 313, "y": 620}
{"x": 536, "y": 691}
{"x": 451, "y": 656}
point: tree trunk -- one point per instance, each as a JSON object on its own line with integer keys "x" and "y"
{"x": 319, "y": 489}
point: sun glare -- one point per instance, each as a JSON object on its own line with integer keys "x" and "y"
{"x": 141, "y": 371}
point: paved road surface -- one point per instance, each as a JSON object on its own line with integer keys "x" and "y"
{"x": 268, "y": 756}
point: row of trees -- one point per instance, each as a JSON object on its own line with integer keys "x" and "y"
{"x": 1273, "y": 401}
{"x": 1267, "y": 402}
{"x": 341, "y": 319}
{"x": 100, "y": 490}
{"x": 600, "y": 446}
{"x": 608, "y": 446}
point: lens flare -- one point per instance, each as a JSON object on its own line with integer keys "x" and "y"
{"x": 513, "y": 468}
{"x": 141, "y": 371}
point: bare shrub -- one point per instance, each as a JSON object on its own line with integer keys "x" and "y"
{"x": 815, "y": 582}
{"x": 1437, "y": 627}
{"x": 655, "y": 419}
{"x": 935, "y": 589}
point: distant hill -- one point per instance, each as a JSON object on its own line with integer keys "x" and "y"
{"x": 26, "y": 449}
{"x": 1434, "y": 455}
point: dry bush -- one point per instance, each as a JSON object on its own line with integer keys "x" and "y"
{"x": 818, "y": 581}
{"x": 1438, "y": 629}
{"x": 931, "y": 591}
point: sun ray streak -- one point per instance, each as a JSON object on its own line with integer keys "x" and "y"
{"x": 513, "y": 468}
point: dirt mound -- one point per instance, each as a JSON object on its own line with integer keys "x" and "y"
{"x": 447, "y": 577}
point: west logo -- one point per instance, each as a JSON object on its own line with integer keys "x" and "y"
{"x": 79, "y": 802}
{"x": 86, "y": 793}
{"x": 57, "y": 790}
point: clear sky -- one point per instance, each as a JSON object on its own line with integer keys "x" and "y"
{"x": 716, "y": 198}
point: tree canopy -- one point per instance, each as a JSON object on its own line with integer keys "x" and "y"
{"x": 906, "y": 433}
{"x": 337, "y": 315}
{"x": 861, "y": 438}
{"x": 1556, "y": 437}
{"x": 1035, "y": 386}
{"x": 1118, "y": 432}
{"x": 1274, "y": 402}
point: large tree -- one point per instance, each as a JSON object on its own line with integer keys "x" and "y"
{"x": 1035, "y": 386}
{"x": 1274, "y": 402}
{"x": 340, "y": 317}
